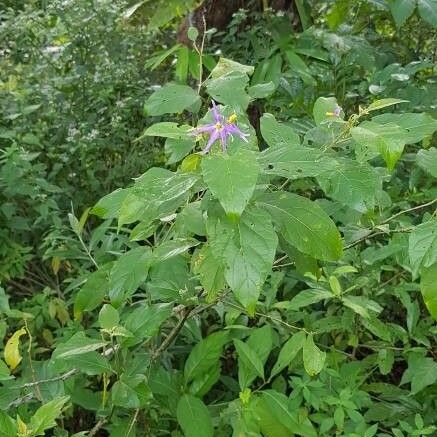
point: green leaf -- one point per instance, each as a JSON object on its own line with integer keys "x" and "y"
{"x": 428, "y": 11}
{"x": 211, "y": 272}
{"x": 383, "y": 103}
{"x": 168, "y": 129}
{"x": 145, "y": 320}
{"x": 78, "y": 344}
{"x": 229, "y": 89}
{"x": 128, "y": 272}
{"x": 171, "y": 248}
{"x": 421, "y": 372}
{"x": 402, "y": 10}
{"x": 247, "y": 249}
{"x": 109, "y": 206}
{"x": 288, "y": 351}
{"x": 277, "y": 405}
{"x": 353, "y": 184}
{"x": 170, "y": 99}
{"x": 308, "y": 297}
{"x": 417, "y": 125}
{"x": 45, "y": 417}
{"x": 386, "y": 359}
{"x": 428, "y": 287}
{"x": 313, "y": 357}
{"x": 261, "y": 90}
{"x": 387, "y": 139}
{"x": 422, "y": 247}
{"x": 299, "y": 67}
{"x": 177, "y": 149}
{"x": 361, "y": 305}
{"x": 427, "y": 159}
{"x": 204, "y": 355}
{"x": 156, "y": 194}
{"x": 108, "y": 317}
{"x": 8, "y": 426}
{"x": 304, "y": 225}
{"x": 193, "y": 417}
{"x": 91, "y": 363}
{"x": 91, "y": 295}
{"x": 278, "y": 134}
{"x": 295, "y": 162}
{"x": 123, "y": 395}
{"x": 231, "y": 178}
{"x": 323, "y": 107}
{"x": 225, "y": 66}
{"x": 247, "y": 359}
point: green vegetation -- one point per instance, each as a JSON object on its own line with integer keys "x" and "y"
{"x": 218, "y": 221}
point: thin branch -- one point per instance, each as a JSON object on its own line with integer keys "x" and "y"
{"x": 173, "y": 333}
{"x": 424, "y": 205}
{"x": 375, "y": 234}
{"x": 132, "y": 423}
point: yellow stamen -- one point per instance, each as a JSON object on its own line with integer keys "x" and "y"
{"x": 218, "y": 126}
{"x": 232, "y": 118}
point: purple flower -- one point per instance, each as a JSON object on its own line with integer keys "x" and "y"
{"x": 222, "y": 129}
{"x": 336, "y": 111}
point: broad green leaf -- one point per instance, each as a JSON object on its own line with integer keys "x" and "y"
{"x": 230, "y": 89}
{"x": 299, "y": 67}
{"x": 361, "y": 305}
{"x": 91, "y": 363}
{"x": 427, "y": 159}
{"x": 4, "y": 371}
{"x": 383, "y": 103}
{"x": 288, "y": 351}
{"x": 123, "y": 395}
{"x": 313, "y": 357}
{"x": 211, "y": 272}
{"x": 277, "y": 405}
{"x": 428, "y": 287}
{"x": 4, "y": 302}
{"x": 304, "y": 225}
{"x": 78, "y": 344}
{"x": 108, "y": 317}
{"x": 177, "y": 149}
{"x": 402, "y": 10}
{"x": 194, "y": 417}
{"x": 323, "y": 108}
{"x": 295, "y": 162}
{"x": 12, "y": 352}
{"x": 45, "y": 417}
{"x": 92, "y": 293}
{"x": 109, "y": 206}
{"x": 353, "y": 184}
{"x": 422, "y": 247}
{"x": 261, "y": 341}
{"x": 205, "y": 355}
{"x": 168, "y": 129}
{"x": 261, "y": 90}
{"x": 128, "y": 272}
{"x": 278, "y": 134}
{"x": 156, "y": 194}
{"x": 8, "y": 426}
{"x": 170, "y": 99}
{"x": 385, "y": 361}
{"x": 421, "y": 372}
{"x": 308, "y": 297}
{"x": 171, "y": 248}
{"x": 247, "y": 249}
{"x": 231, "y": 178}
{"x": 417, "y": 125}
{"x": 225, "y": 66}
{"x": 247, "y": 359}
{"x": 192, "y": 219}
{"x": 428, "y": 11}
{"x": 144, "y": 321}
{"x": 388, "y": 139}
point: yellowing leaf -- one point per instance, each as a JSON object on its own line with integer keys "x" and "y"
{"x": 12, "y": 353}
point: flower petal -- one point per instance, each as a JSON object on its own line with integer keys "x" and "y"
{"x": 201, "y": 129}
{"x": 212, "y": 139}
{"x": 216, "y": 113}
{"x": 234, "y": 130}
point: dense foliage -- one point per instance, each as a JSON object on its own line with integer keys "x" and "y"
{"x": 272, "y": 269}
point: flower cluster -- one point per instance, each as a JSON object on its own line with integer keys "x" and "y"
{"x": 222, "y": 129}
